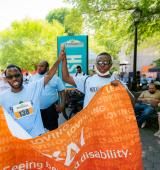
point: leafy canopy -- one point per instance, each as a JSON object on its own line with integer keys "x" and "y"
{"x": 113, "y": 21}
{"x": 29, "y": 41}
{"x": 71, "y": 19}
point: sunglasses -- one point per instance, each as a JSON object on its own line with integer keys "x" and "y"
{"x": 100, "y": 63}
{"x": 12, "y": 76}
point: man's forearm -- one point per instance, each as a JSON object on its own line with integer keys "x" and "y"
{"x": 65, "y": 73}
{"x": 52, "y": 71}
{"x": 62, "y": 98}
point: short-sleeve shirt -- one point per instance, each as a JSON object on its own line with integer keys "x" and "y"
{"x": 91, "y": 85}
{"x": 50, "y": 92}
{"x": 24, "y": 107}
{"x": 148, "y": 96}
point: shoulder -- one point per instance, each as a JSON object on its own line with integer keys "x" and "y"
{"x": 4, "y": 93}
{"x": 158, "y": 91}
{"x": 95, "y": 76}
{"x": 55, "y": 78}
{"x": 35, "y": 77}
{"x": 80, "y": 77}
{"x": 145, "y": 92}
{"x": 34, "y": 83}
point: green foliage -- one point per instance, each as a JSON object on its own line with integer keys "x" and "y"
{"x": 57, "y": 14}
{"x": 71, "y": 19}
{"x": 114, "y": 69}
{"x": 157, "y": 62}
{"x": 113, "y": 21}
{"x": 73, "y": 22}
{"x": 27, "y": 42}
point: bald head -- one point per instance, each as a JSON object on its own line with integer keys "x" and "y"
{"x": 43, "y": 67}
{"x": 152, "y": 88}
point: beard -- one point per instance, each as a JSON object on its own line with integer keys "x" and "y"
{"x": 42, "y": 73}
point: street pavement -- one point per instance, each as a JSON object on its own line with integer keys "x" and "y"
{"x": 151, "y": 149}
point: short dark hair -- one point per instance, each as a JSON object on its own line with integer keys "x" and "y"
{"x": 12, "y": 66}
{"x": 78, "y": 67}
{"x": 104, "y": 53}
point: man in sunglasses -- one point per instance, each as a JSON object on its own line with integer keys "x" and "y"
{"x": 22, "y": 102}
{"x": 89, "y": 85}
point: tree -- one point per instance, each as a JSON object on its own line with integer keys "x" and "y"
{"x": 157, "y": 62}
{"x": 71, "y": 19}
{"x": 57, "y": 14}
{"x": 29, "y": 41}
{"x": 113, "y": 21}
{"x": 73, "y": 22}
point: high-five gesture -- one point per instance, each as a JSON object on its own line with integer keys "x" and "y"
{"x": 63, "y": 53}
{"x": 65, "y": 74}
{"x": 54, "y": 68}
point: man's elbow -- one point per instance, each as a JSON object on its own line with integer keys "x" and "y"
{"x": 65, "y": 79}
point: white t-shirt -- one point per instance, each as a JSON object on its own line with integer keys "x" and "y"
{"x": 80, "y": 74}
{"x": 92, "y": 85}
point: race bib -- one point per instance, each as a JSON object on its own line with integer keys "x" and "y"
{"x": 22, "y": 110}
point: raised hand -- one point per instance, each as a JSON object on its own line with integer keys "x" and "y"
{"x": 115, "y": 82}
{"x": 62, "y": 53}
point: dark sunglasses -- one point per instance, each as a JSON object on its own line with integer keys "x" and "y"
{"x": 100, "y": 63}
{"x": 15, "y": 75}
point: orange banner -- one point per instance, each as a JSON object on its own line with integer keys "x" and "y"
{"x": 103, "y": 136}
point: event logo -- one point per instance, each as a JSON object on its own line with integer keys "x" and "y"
{"x": 72, "y": 147}
{"x": 73, "y": 43}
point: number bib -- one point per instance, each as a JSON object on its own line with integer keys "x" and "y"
{"x": 22, "y": 110}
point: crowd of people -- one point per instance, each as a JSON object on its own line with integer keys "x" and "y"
{"x": 34, "y": 102}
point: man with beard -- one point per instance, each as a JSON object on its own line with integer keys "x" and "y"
{"x": 49, "y": 98}
{"x": 146, "y": 104}
{"x": 89, "y": 85}
{"x": 22, "y": 102}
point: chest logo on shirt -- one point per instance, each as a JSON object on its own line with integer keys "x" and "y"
{"x": 94, "y": 89}
{"x": 22, "y": 110}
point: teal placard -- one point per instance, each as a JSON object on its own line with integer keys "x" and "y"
{"x": 76, "y": 51}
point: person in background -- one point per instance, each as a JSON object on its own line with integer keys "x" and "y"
{"x": 138, "y": 77}
{"x": 146, "y": 105}
{"x": 143, "y": 82}
{"x": 52, "y": 99}
{"x": 26, "y": 77}
{"x": 150, "y": 79}
{"x": 125, "y": 78}
{"x": 79, "y": 72}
